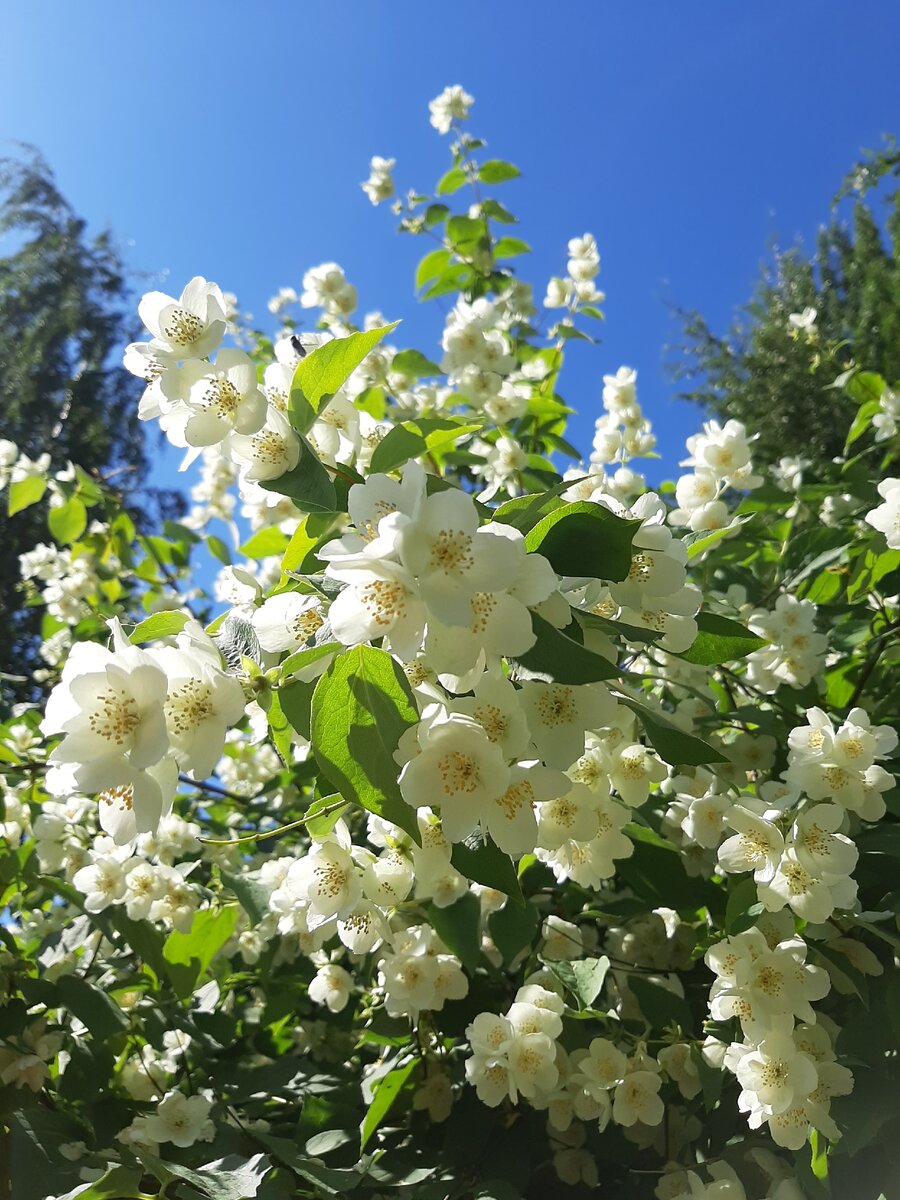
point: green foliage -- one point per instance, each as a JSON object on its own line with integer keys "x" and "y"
{"x": 360, "y": 708}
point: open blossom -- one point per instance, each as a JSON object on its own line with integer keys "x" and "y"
{"x": 458, "y": 769}
{"x": 332, "y": 986}
{"x": 179, "y": 1119}
{"x": 380, "y": 184}
{"x": 202, "y": 700}
{"x": 886, "y": 517}
{"x": 454, "y": 558}
{"x": 269, "y": 452}
{"x": 287, "y": 621}
{"x": 110, "y": 707}
{"x": 210, "y": 401}
{"x": 191, "y": 326}
{"x": 451, "y": 105}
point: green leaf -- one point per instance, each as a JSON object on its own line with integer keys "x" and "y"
{"x": 301, "y": 659}
{"x": 266, "y": 543}
{"x": 280, "y": 727}
{"x": 308, "y": 485}
{"x": 295, "y": 702}
{"x": 720, "y": 640}
{"x": 360, "y": 708}
{"x": 414, "y": 363}
{"x": 426, "y": 435}
{"x": 231, "y": 1178}
{"x": 493, "y": 208}
{"x": 865, "y": 386}
{"x": 584, "y": 539}
{"x": 92, "y": 1006}
{"x": 862, "y": 421}
{"x": 252, "y": 895}
{"x": 672, "y": 744}
{"x": 118, "y": 1183}
{"x": 67, "y": 522}
{"x": 497, "y": 171}
{"x": 190, "y": 954}
{"x": 459, "y": 928}
{"x": 584, "y": 977}
{"x": 660, "y": 1006}
{"x": 320, "y": 374}
{"x": 387, "y": 1090}
{"x": 465, "y": 232}
{"x": 25, "y": 492}
{"x": 510, "y": 247}
{"x": 742, "y": 908}
{"x": 480, "y": 860}
{"x": 711, "y": 1079}
{"x": 331, "y": 810}
{"x": 512, "y": 928}
{"x": 451, "y": 181}
{"x": 160, "y": 625}
{"x": 435, "y": 214}
{"x": 299, "y": 555}
{"x": 705, "y": 541}
{"x": 218, "y": 549}
{"x": 559, "y": 658}
{"x": 431, "y": 266}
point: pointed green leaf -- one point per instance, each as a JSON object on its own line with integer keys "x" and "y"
{"x": 360, "y": 708}
{"x": 321, "y": 373}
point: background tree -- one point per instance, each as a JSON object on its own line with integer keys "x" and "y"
{"x": 754, "y": 372}
{"x": 63, "y": 299}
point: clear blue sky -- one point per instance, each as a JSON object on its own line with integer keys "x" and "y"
{"x": 229, "y": 139}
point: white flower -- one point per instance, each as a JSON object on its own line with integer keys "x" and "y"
{"x": 102, "y": 883}
{"x": 270, "y": 452}
{"x": 326, "y": 287}
{"x": 531, "y": 1064}
{"x": 562, "y": 941}
{"x": 451, "y": 105}
{"x": 332, "y": 986}
{"x": 201, "y": 700}
{"x": 453, "y": 558}
{"x": 496, "y": 707}
{"x": 287, "y": 621}
{"x": 380, "y": 184}
{"x": 510, "y": 818}
{"x": 328, "y": 879}
{"x": 633, "y": 770}
{"x": 458, "y": 769}
{"x": 558, "y": 715}
{"x": 190, "y": 327}
{"x": 804, "y": 321}
{"x": 886, "y": 517}
{"x": 602, "y": 1068}
{"x": 775, "y": 1075}
{"x": 214, "y": 400}
{"x": 637, "y": 1099}
{"x": 109, "y": 705}
{"x": 818, "y": 847}
{"x": 757, "y": 846}
{"x": 179, "y": 1119}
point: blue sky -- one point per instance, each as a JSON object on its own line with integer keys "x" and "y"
{"x": 229, "y": 140}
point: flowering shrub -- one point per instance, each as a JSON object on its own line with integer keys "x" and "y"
{"x": 483, "y": 831}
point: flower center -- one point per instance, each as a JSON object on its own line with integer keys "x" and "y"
{"x": 116, "y": 717}
{"x": 451, "y": 552}
{"x": 188, "y": 706}
{"x": 183, "y": 327}
{"x": 458, "y": 772}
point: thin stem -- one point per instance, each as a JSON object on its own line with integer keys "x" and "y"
{"x": 264, "y": 834}
{"x": 215, "y": 789}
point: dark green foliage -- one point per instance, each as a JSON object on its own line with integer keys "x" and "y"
{"x": 63, "y": 299}
{"x": 779, "y": 385}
